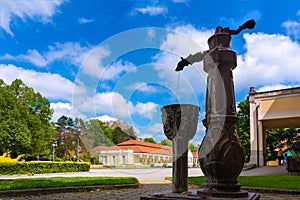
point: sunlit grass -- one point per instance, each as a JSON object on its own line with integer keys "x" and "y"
{"x": 29, "y": 183}
{"x": 276, "y": 182}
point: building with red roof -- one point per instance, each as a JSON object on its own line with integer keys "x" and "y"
{"x": 136, "y": 153}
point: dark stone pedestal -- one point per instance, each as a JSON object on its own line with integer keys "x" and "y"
{"x": 198, "y": 195}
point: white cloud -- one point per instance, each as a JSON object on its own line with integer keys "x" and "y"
{"x": 115, "y": 105}
{"x": 114, "y": 71}
{"x": 152, "y": 10}
{"x": 35, "y": 10}
{"x": 106, "y": 118}
{"x": 292, "y": 28}
{"x": 269, "y": 60}
{"x": 85, "y": 20}
{"x": 143, "y": 87}
{"x": 184, "y": 41}
{"x": 147, "y": 110}
{"x": 34, "y": 57}
{"x": 275, "y": 87}
{"x": 65, "y": 109}
{"x": 155, "y": 128}
{"x": 69, "y": 52}
{"x": 180, "y": 1}
{"x": 52, "y": 86}
{"x": 92, "y": 66}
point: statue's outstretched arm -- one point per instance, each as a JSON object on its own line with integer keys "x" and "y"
{"x": 247, "y": 25}
{"x": 190, "y": 60}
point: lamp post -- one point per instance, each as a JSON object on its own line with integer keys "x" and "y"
{"x": 78, "y": 127}
{"x": 53, "y": 149}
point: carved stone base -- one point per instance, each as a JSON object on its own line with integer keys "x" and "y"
{"x": 194, "y": 195}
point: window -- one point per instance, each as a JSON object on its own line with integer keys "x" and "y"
{"x": 104, "y": 159}
{"x": 123, "y": 160}
{"x": 113, "y": 160}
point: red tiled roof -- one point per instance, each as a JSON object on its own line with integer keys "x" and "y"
{"x": 195, "y": 154}
{"x": 103, "y": 148}
{"x": 145, "y": 147}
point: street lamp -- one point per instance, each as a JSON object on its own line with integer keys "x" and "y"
{"x": 54, "y": 145}
{"x": 78, "y": 126}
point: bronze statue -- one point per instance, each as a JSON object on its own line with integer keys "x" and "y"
{"x": 199, "y": 56}
{"x": 221, "y": 154}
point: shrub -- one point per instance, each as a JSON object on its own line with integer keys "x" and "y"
{"x": 12, "y": 168}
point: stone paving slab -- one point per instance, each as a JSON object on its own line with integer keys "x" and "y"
{"x": 130, "y": 194}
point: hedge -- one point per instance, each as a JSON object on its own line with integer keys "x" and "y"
{"x": 14, "y": 168}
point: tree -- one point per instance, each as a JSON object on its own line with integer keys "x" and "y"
{"x": 290, "y": 139}
{"x": 166, "y": 142}
{"x": 119, "y": 136}
{"x": 273, "y": 138}
{"x": 102, "y": 134}
{"x": 243, "y": 126}
{"x": 151, "y": 140}
{"x": 193, "y": 147}
{"x": 25, "y": 115}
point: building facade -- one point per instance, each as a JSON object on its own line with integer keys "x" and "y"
{"x": 270, "y": 110}
{"x": 134, "y": 153}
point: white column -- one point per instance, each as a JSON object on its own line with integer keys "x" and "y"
{"x": 253, "y": 129}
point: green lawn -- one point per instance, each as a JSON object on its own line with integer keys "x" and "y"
{"x": 276, "y": 182}
{"x": 29, "y": 183}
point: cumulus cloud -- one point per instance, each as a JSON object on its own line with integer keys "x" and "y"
{"x": 34, "y": 10}
{"x": 70, "y": 52}
{"x": 52, "y": 86}
{"x": 115, "y": 105}
{"x": 66, "y": 109}
{"x": 183, "y": 41}
{"x": 152, "y": 10}
{"x": 93, "y": 66}
{"x": 269, "y": 59}
{"x": 147, "y": 110}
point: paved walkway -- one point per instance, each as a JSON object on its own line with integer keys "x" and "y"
{"x": 129, "y": 194}
{"x": 152, "y": 181}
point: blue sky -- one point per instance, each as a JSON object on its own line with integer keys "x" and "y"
{"x": 116, "y": 59}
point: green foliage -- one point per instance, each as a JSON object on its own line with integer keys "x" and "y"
{"x": 151, "y": 140}
{"x": 31, "y": 183}
{"x": 166, "y": 142}
{"x": 24, "y": 120}
{"x": 119, "y": 136}
{"x": 102, "y": 133}
{"x": 273, "y": 137}
{"x": 243, "y": 126}
{"x": 193, "y": 147}
{"x": 12, "y": 168}
{"x": 291, "y": 138}
{"x": 279, "y": 182}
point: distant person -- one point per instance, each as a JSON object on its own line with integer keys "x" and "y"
{"x": 37, "y": 157}
{"x": 279, "y": 156}
{"x": 284, "y": 158}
